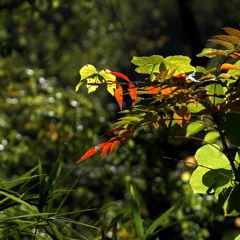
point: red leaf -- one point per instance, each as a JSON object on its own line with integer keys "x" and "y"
{"x": 116, "y": 74}
{"x": 229, "y": 66}
{"x": 119, "y": 95}
{"x": 92, "y": 151}
{"x": 132, "y": 90}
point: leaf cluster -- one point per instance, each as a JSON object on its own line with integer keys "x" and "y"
{"x": 199, "y": 98}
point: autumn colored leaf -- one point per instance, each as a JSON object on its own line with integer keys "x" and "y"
{"x": 223, "y": 43}
{"x": 232, "y": 31}
{"x": 231, "y": 39}
{"x": 153, "y": 90}
{"x": 229, "y": 66}
{"x": 90, "y": 152}
{"x": 105, "y": 149}
{"x": 119, "y": 95}
{"x": 114, "y": 145}
{"x": 120, "y": 75}
{"x": 133, "y": 91}
{"x": 218, "y": 52}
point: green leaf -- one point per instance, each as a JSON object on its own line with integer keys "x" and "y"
{"x": 180, "y": 63}
{"x": 215, "y": 91}
{"x": 155, "y": 64}
{"x": 136, "y": 215}
{"x": 16, "y": 199}
{"x": 110, "y": 80}
{"x": 205, "y": 180}
{"x": 20, "y": 181}
{"x": 211, "y": 137}
{"x": 194, "y": 128}
{"x": 193, "y": 108}
{"x": 86, "y": 72}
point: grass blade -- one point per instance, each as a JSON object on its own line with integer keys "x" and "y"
{"x": 136, "y": 215}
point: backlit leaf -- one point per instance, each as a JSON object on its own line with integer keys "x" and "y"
{"x": 223, "y": 43}
{"x": 232, "y": 31}
{"x": 193, "y": 128}
{"x": 120, "y": 75}
{"x": 132, "y": 90}
{"x": 235, "y": 72}
{"x": 119, "y": 95}
{"x": 229, "y": 38}
{"x": 229, "y": 66}
{"x": 109, "y": 79}
{"x": 210, "y": 52}
{"x": 92, "y": 151}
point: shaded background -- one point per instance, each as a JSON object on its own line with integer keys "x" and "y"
{"x": 43, "y": 44}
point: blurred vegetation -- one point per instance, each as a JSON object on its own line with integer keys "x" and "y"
{"x": 43, "y": 44}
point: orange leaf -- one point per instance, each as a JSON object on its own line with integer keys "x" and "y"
{"x": 229, "y": 66}
{"x": 153, "y": 90}
{"x": 119, "y": 95}
{"x": 218, "y": 52}
{"x": 114, "y": 144}
{"x": 92, "y": 151}
{"x": 232, "y": 31}
{"x": 223, "y": 43}
{"x": 116, "y": 74}
{"x": 105, "y": 149}
{"x": 178, "y": 119}
{"x": 133, "y": 91}
{"x": 166, "y": 92}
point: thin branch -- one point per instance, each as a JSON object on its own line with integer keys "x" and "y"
{"x": 199, "y": 139}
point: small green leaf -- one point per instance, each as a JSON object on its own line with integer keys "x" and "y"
{"x": 86, "y": 72}
{"x": 211, "y": 136}
{"x": 194, "y": 108}
{"x": 194, "y": 128}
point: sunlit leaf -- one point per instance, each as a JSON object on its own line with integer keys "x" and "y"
{"x": 230, "y": 39}
{"x": 109, "y": 79}
{"x": 118, "y": 93}
{"x": 92, "y": 151}
{"x": 133, "y": 91}
{"x": 229, "y": 66}
{"x": 232, "y": 31}
{"x": 120, "y": 75}
{"x": 193, "y": 128}
{"x": 223, "y": 43}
